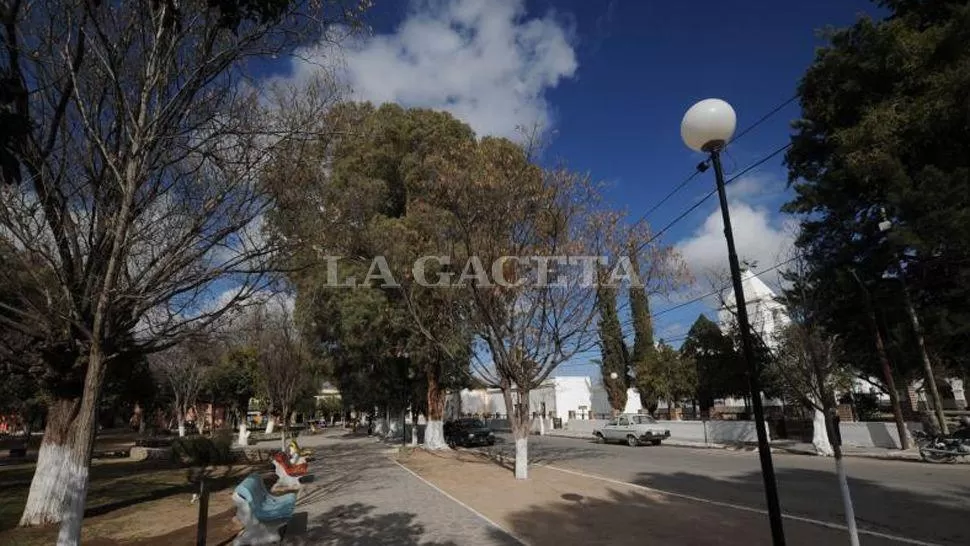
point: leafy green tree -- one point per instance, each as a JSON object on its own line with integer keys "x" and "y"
{"x": 615, "y": 358}
{"x": 879, "y": 144}
{"x": 670, "y": 377}
{"x": 644, "y": 357}
{"x": 232, "y": 381}
{"x": 372, "y": 187}
{"x": 719, "y": 370}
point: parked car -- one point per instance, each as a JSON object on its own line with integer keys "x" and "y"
{"x": 468, "y": 432}
{"x": 633, "y": 429}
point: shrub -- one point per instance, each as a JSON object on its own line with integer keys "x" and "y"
{"x": 202, "y": 451}
{"x": 867, "y": 406}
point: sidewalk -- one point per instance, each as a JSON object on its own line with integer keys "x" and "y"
{"x": 779, "y": 446}
{"x": 557, "y": 507}
{"x": 359, "y": 497}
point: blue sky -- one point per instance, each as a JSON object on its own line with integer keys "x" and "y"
{"x": 611, "y": 80}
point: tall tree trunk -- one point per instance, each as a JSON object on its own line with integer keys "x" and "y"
{"x": 932, "y": 390}
{"x": 887, "y": 374}
{"x": 270, "y": 423}
{"x": 517, "y": 409}
{"x": 48, "y": 488}
{"x": 285, "y": 430}
{"x": 78, "y": 456}
{"x": 434, "y": 433}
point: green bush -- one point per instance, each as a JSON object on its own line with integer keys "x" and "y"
{"x": 202, "y": 451}
{"x": 866, "y": 406}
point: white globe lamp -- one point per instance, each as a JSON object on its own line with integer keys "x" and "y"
{"x": 708, "y": 125}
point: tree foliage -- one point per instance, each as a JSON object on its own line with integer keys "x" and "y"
{"x": 128, "y": 158}
{"x": 365, "y": 178}
{"x": 668, "y": 377}
{"x": 719, "y": 370}
{"x": 880, "y": 140}
{"x": 614, "y": 364}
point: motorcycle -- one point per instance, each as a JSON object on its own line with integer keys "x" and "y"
{"x": 941, "y": 449}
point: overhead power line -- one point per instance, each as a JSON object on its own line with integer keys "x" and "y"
{"x": 704, "y": 199}
{"x": 698, "y": 170}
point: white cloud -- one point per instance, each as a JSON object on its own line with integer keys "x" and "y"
{"x": 758, "y": 237}
{"x": 483, "y": 61}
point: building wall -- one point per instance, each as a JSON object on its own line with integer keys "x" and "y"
{"x": 566, "y": 398}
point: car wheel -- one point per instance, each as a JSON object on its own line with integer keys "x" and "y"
{"x": 655, "y": 442}
{"x": 599, "y": 438}
{"x": 632, "y": 441}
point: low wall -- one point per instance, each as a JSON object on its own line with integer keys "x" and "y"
{"x": 856, "y": 434}
{"x": 716, "y": 432}
{"x": 873, "y": 434}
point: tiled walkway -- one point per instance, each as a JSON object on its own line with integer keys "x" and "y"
{"x": 358, "y": 496}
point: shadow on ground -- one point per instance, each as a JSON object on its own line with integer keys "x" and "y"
{"x": 503, "y": 452}
{"x": 357, "y": 524}
{"x": 815, "y": 494}
{"x": 331, "y": 475}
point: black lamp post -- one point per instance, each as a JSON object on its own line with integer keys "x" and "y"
{"x": 707, "y": 127}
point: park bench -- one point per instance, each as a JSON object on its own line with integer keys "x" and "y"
{"x": 289, "y": 474}
{"x": 298, "y": 455}
{"x": 261, "y": 513}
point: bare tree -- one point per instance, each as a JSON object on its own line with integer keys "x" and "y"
{"x": 806, "y": 362}
{"x": 284, "y": 363}
{"x": 809, "y": 364}
{"x": 183, "y": 375}
{"x": 131, "y": 148}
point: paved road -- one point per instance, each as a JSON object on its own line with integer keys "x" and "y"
{"x": 929, "y": 503}
{"x": 357, "y": 497}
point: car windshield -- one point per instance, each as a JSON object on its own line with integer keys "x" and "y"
{"x": 472, "y": 423}
{"x": 642, "y": 419}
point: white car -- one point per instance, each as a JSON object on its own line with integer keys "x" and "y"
{"x": 632, "y": 429}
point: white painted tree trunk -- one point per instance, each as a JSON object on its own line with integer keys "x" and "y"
{"x": 45, "y": 501}
{"x": 434, "y": 436}
{"x": 78, "y": 453}
{"x": 542, "y": 426}
{"x": 414, "y": 429}
{"x": 522, "y": 458}
{"x": 847, "y": 502}
{"x": 270, "y": 424}
{"x": 77, "y": 492}
{"x": 820, "y": 438}
{"x": 181, "y": 428}
{"x": 243, "y": 439}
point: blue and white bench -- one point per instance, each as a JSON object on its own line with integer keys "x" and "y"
{"x": 261, "y": 513}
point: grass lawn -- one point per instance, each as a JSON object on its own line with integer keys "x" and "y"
{"x": 145, "y": 502}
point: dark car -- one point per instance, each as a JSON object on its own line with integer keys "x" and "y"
{"x": 468, "y": 432}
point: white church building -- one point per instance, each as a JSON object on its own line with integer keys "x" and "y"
{"x": 768, "y": 317}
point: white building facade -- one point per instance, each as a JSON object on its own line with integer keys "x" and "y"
{"x": 565, "y": 397}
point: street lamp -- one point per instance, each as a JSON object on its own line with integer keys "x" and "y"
{"x": 707, "y": 127}
{"x": 613, "y": 375}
